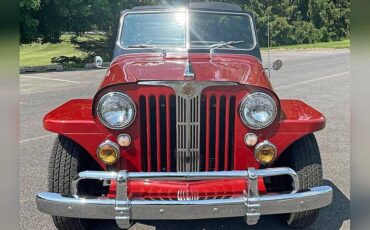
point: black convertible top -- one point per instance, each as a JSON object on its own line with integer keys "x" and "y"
{"x": 212, "y": 6}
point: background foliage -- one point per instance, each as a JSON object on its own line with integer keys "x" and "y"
{"x": 291, "y": 21}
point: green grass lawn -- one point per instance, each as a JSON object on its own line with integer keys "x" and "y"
{"x": 343, "y": 44}
{"x": 36, "y": 54}
{"x": 40, "y": 54}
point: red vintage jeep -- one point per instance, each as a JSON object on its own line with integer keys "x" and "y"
{"x": 185, "y": 125}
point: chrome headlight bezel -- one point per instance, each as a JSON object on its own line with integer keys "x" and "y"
{"x": 265, "y": 96}
{"x": 110, "y": 94}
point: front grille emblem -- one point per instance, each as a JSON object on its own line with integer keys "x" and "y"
{"x": 188, "y": 89}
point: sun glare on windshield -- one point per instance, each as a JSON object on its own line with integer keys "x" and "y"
{"x": 180, "y": 18}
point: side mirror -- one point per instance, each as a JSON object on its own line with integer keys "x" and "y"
{"x": 277, "y": 64}
{"x": 98, "y": 62}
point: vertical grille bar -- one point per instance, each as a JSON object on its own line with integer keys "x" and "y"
{"x": 231, "y": 132}
{"x": 153, "y": 132}
{"x": 202, "y": 134}
{"x": 222, "y": 137}
{"x": 194, "y": 128}
{"x": 197, "y": 127}
{"x": 173, "y": 132}
{"x": 163, "y": 133}
{"x": 148, "y": 140}
{"x": 208, "y": 107}
{"x": 227, "y": 137}
{"x": 168, "y": 139}
{"x": 158, "y": 134}
{"x": 217, "y": 138}
{"x": 143, "y": 132}
{"x": 181, "y": 134}
{"x": 212, "y": 132}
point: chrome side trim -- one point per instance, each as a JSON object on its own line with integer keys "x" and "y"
{"x": 251, "y": 205}
{"x": 188, "y": 95}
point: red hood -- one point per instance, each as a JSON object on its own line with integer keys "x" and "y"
{"x": 242, "y": 69}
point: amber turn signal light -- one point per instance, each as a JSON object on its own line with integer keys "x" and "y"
{"x": 108, "y": 152}
{"x": 265, "y": 152}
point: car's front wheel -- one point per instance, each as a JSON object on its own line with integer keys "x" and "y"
{"x": 303, "y": 156}
{"x": 64, "y": 164}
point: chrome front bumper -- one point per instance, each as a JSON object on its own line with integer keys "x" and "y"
{"x": 251, "y": 206}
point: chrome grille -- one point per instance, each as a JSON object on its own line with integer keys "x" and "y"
{"x": 188, "y": 114}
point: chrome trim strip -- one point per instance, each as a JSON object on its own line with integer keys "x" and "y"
{"x": 188, "y": 96}
{"x": 251, "y": 206}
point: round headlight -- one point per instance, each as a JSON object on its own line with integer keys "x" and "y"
{"x": 116, "y": 110}
{"x": 258, "y": 110}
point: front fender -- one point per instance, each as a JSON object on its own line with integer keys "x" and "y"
{"x": 297, "y": 120}
{"x": 74, "y": 120}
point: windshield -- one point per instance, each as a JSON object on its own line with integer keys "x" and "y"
{"x": 204, "y": 30}
{"x": 155, "y": 29}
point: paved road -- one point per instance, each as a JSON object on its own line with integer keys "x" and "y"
{"x": 320, "y": 78}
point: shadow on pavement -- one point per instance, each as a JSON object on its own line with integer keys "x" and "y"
{"x": 330, "y": 218}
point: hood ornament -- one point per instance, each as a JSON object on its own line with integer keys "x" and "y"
{"x": 189, "y": 73}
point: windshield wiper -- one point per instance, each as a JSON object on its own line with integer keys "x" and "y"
{"x": 228, "y": 44}
{"x": 142, "y": 46}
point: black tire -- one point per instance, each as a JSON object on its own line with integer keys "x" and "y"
{"x": 63, "y": 166}
{"x": 303, "y": 156}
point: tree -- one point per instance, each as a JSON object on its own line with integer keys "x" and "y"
{"x": 27, "y": 21}
{"x": 291, "y": 21}
{"x": 51, "y": 22}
